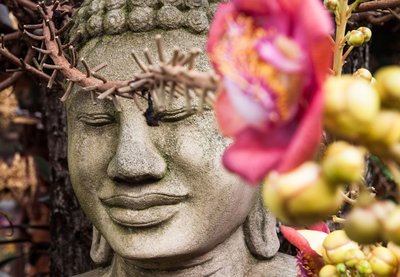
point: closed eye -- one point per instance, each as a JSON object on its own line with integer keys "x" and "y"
{"x": 96, "y": 120}
{"x": 176, "y": 115}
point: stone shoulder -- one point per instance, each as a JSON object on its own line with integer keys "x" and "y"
{"x": 281, "y": 265}
{"x": 98, "y": 272}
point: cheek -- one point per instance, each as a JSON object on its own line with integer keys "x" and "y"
{"x": 89, "y": 152}
{"x": 218, "y": 195}
{"x": 199, "y": 145}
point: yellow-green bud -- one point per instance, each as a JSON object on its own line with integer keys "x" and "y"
{"x": 392, "y": 226}
{"x": 331, "y": 4}
{"x": 366, "y": 32}
{"x": 385, "y": 128}
{"x": 343, "y": 163}
{"x": 388, "y": 85}
{"x": 383, "y": 261}
{"x": 335, "y": 247}
{"x": 395, "y": 248}
{"x": 351, "y": 104}
{"x": 291, "y": 196}
{"x": 364, "y": 267}
{"x": 341, "y": 268}
{"x": 353, "y": 257}
{"x": 355, "y": 38}
{"x": 381, "y": 209}
{"x": 363, "y": 73}
{"x": 328, "y": 271}
{"x": 363, "y": 226}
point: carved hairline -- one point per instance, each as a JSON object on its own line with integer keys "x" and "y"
{"x": 98, "y": 17}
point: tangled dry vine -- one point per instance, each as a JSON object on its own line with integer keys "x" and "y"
{"x": 49, "y": 57}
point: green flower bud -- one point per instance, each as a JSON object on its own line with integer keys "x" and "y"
{"x": 392, "y": 226}
{"x": 343, "y": 163}
{"x": 366, "y": 32}
{"x": 341, "y": 268}
{"x": 328, "y": 271}
{"x": 363, "y": 73}
{"x": 363, "y": 226}
{"x": 335, "y": 247}
{"x": 364, "y": 267}
{"x": 383, "y": 261}
{"x": 388, "y": 85}
{"x": 351, "y": 104}
{"x": 353, "y": 257}
{"x": 355, "y": 38}
{"x": 385, "y": 128}
{"x": 331, "y": 4}
{"x": 291, "y": 196}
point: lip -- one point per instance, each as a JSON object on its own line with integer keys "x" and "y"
{"x": 142, "y": 210}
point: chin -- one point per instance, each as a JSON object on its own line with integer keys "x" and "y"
{"x": 171, "y": 241}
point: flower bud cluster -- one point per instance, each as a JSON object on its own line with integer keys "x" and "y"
{"x": 344, "y": 257}
{"x": 368, "y": 224}
{"x": 291, "y": 196}
{"x": 331, "y": 5}
{"x": 366, "y": 110}
{"x": 358, "y": 37}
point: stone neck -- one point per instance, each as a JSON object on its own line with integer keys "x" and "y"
{"x": 230, "y": 258}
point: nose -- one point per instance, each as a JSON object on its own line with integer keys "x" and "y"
{"x": 136, "y": 158}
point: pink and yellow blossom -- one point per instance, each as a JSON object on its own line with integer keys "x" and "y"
{"x": 273, "y": 58}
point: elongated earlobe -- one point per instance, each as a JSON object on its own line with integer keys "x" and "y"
{"x": 260, "y": 232}
{"x": 100, "y": 251}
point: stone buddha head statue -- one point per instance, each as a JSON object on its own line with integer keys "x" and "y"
{"x": 158, "y": 196}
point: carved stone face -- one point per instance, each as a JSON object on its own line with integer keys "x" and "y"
{"x": 153, "y": 192}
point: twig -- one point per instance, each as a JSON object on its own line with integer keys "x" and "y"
{"x": 348, "y": 200}
{"x": 339, "y": 220}
{"x": 376, "y": 5}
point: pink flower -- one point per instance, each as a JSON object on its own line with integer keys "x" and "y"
{"x": 309, "y": 242}
{"x": 273, "y": 57}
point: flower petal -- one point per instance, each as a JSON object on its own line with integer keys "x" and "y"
{"x": 219, "y": 25}
{"x": 321, "y": 54}
{"x": 253, "y": 154}
{"x": 269, "y": 53}
{"x": 257, "y": 7}
{"x": 249, "y": 109}
{"x": 307, "y": 138}
{"x": 307, "y": 241}
{"x": 229, "y": 121}
{"x": 321, "y": 226}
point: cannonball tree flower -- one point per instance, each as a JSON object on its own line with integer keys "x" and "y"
{"x": 309, "y": 244}
{"x": 273, "y": 57}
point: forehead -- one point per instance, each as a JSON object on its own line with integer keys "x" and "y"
{"x": 116, "y": 50}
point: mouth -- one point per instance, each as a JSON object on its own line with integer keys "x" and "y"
{"x": 142, "y": 210}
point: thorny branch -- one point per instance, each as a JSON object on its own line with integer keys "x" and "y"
{"x": 176, "y": 76}
{"x": 377, "y": 12}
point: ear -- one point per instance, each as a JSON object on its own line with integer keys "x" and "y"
{"x": 260, "y": 232}
{"x": 100, "y": 251}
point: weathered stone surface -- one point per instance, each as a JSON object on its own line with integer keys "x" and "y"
{"x": 159, "y": 197}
